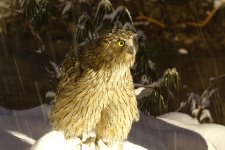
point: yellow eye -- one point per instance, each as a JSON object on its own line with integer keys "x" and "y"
{"x": 121, "y": 43}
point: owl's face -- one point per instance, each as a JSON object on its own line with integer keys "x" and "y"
{"x": 121, "y": 47}
{"x": 122, "y": 41}
{"x": 113, "y": 49}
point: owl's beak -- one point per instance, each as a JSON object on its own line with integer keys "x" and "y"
{"x": 132, "y": 45}
{"x": 131, "y": 50}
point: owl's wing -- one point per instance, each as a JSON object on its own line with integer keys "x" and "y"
{"x": 71, "y": 70}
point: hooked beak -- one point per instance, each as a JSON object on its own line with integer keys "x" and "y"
{"x": 133, "y": 49}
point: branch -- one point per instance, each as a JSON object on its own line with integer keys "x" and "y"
{"x": 199, "y": 24}
{"x": 215, "y": 78}
{"x": 151, "y": 20}
{"x": 153, "y": 85}
{"x": 36, "y": 36}
{"x": 137, "y": 85}
{"x": 34, "y": 33}
{"x": 12, "y": 10}
{"x": 203, "y": 23}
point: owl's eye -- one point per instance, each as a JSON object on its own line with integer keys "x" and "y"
{"x": 121, "y": 43}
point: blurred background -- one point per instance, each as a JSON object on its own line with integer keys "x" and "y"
{"x": 180, "y": 66}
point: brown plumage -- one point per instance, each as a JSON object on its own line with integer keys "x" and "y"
{"x": 96, "y": 92}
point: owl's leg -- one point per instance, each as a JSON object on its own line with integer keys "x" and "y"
{"x": 115, "y": 123}
{"x": 77, "y": 116}
{"x": 88, "y": 141}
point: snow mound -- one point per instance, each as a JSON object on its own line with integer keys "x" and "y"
{"x": 180, "y": 117}
{"x": 55, "y": 141}
{"x": 22, "y": 129}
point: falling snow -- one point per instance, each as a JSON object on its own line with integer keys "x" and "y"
{"x": 23, "y": 129}
{"x": 30, "y": 125}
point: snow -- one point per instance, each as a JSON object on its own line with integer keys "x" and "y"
{"x": 151, "y": 64}
{"x": 144, "y": 79}
{"x": 55, "y": 140}
{"x": 218, "y": 3}
{"x": 118, "y": 10}
{"x": 138, "y": 90}
{"x": 67, "y": 8}
{"x": 142, "y": 92}
{"x": 206, "y": 114}
{"x": 213, "y": 134}
{"x": 56, "y": 69}
{"x": 22, "y": 128}
{"x": 50, "y": 94}
{"x": 19, "y": 129}
{"x": 183, "y": 51}
{"x": 180, "y": 117}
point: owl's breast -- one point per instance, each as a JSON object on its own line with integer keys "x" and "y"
{"x": 86, "y": 98}
{"x": 105, "y": 79}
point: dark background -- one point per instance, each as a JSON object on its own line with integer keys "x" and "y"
{"x": 176, "y": 25}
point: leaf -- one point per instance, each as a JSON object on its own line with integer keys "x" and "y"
{"x": 153, "y": 104}
{"x": 171, "y": 79}
{"x": 85, "y": 29}
{"x": 143, "y": 59}
{"x": 34, "y": 10}
{"x": 104, "y": 8}
{"x": 122, "y": 15}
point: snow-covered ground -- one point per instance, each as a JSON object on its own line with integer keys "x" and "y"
{"x": 173, "y": 131}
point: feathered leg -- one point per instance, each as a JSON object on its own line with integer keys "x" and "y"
{"x": 117, "y": 118}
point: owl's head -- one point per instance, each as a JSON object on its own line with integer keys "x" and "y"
{"x": 113, "y": 49}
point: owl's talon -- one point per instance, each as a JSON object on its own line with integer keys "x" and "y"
{"x": 89, "y": 140}
{"x": 101, "y": 145}
{"x": 88, "y": 136}
{"x": 89, "y": 146}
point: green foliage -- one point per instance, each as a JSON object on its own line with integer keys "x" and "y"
{"x": 171, "y": 79}
{"x": 143, "y": 60}
{"x": 46, "y": 11}
{"x": 70, "y": 13}
{"x": 34, "y": 10}
{"x": 153, "y": 104}
{"x": 161, "y": 98}
{"x": 104, "y": 7}
{"x": 85, "y": 29}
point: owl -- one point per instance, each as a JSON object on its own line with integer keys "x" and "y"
{"x": 95, "y": 92}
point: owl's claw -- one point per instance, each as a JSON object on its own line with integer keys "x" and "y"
{"x": 101, "y": 145}
{"x": 88, "y": 136}
{"x": 89, "y": 144}
{"x": 88, "y": 141}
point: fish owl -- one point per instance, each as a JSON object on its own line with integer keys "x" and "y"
{"x": 95, "y": 92}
